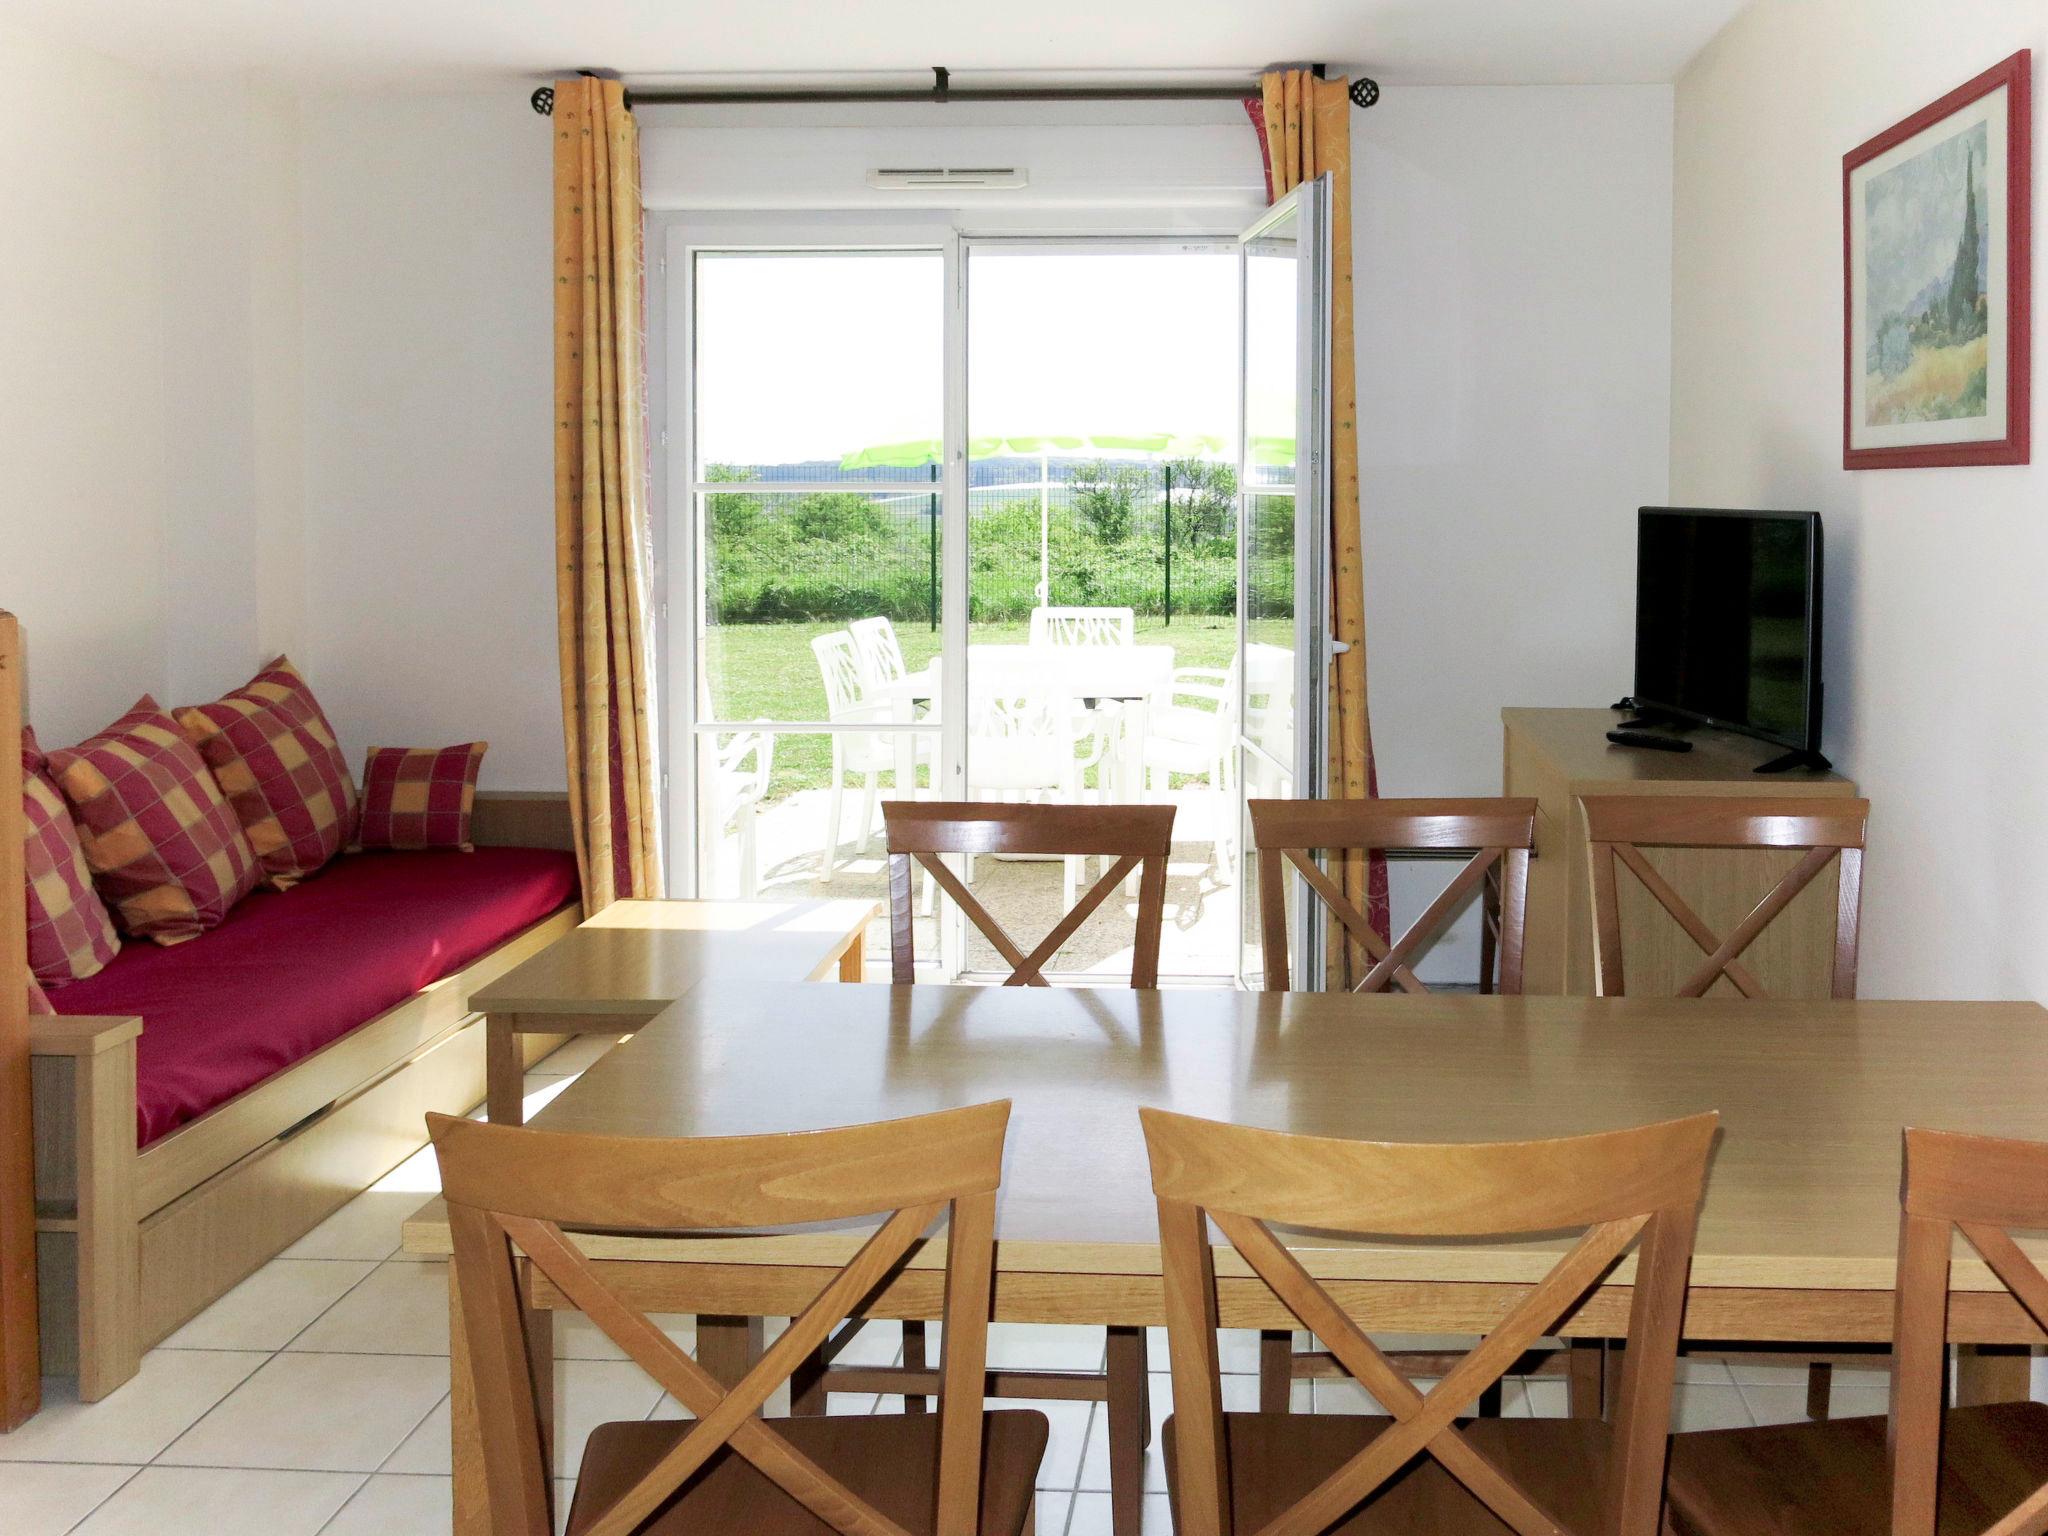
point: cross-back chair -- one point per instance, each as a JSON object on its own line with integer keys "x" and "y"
{"x": 515, "y": 1195}
{"x": 1420, "y": 1469}
{"x": 1136, "y": 837}
{"x": 1287, "y": 834}
{"x": 1959, "y": 1471}
{"x": 1620, "y": 827}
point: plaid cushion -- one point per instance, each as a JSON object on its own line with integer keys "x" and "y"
{"x": 275, "y": 757}
{"x": 37, "y": 1003}
{"x": 420, "y": 797}
{"x": 165, "y": 850}
{"x": 70, "y": 935}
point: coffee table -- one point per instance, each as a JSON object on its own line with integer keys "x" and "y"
{"x": 617, "y": 970}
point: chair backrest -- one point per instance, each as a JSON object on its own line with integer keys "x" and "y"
{"x": 1620, "y": 1187}
{"x": 1980, "y": 1186}
{"x": 512, "y": 1191}
{"x": 1287, "y": 833}
{"x": 1619, "y": 827}
{"x": 839, "y": 665}
{"x": 1136, "y": 836}
{"x": 734, "y": 785}
{"x": 880, "y": 653}
{"x": 1083, "y": 626}
{"x": 1269, "y": 699}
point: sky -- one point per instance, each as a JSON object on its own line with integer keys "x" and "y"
{"x": 816, "y": 356}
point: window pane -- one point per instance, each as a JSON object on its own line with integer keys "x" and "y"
{"x": 782, "y": 569}
{"x": 818, "y": 365}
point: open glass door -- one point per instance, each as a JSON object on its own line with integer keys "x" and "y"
{"x": 1283, "y": 541}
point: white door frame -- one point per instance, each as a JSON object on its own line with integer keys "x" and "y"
{"x": 672, "y": 241}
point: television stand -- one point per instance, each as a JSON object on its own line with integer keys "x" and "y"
{"x": 1791, "y": 760}
{"x": 1559, "y": 756}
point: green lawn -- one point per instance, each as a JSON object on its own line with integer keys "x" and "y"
{"x": 767, "y": 672}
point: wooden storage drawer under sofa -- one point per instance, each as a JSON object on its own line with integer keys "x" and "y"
{"x": 222, "y": 1097}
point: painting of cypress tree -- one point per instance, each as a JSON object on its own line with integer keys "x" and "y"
{"x": 1936, "y": 212}
{"x": 1925, "y": 289}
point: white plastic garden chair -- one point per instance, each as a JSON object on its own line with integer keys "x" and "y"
{"x": 879, "y": 651}
{"x": 1194, "y": 734}
{"x": 1083, "y": 626}
{"x": 1025, "y": 740}
{"x": 1269, "y": 716}
{"x": 867, "y": 753}
{"x": 736, "y": 793}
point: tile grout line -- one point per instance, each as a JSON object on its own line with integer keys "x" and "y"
{"x": 133, "y": 1474}
{"x": 270, "y": 1358}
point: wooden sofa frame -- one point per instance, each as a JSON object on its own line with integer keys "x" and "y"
{"x": 131, "y": 1243}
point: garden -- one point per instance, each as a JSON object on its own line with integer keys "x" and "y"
{"x": 1158, "y": 537}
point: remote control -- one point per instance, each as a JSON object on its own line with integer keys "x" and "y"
{"x": 1650, "y": 739}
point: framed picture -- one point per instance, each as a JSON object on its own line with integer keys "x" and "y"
{"x": 1936, "y": 225}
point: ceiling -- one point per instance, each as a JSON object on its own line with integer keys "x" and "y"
{"x": 471, "y": 44}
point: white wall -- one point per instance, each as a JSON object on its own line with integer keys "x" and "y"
{"x": 81, "y": 382}
{"x": 429, "y": 474}
{"x": 150, "y": 393}
{"x": 1935, "y": 650}
{"x": 1077, "y": 155}
{"x": 1513, "y": 281}
{"x": 234, "y": 562}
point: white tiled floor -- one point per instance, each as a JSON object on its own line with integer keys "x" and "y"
{"x": 312, "y": 1399}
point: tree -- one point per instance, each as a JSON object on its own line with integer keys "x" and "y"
{"x": 1106, "y": 495}
{"x": 731, "y": 515}
{"x": 1204, "y": 500}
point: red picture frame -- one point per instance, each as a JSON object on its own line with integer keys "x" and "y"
{"x": 2015, "y": 76}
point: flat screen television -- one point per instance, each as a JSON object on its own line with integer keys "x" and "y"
{"x": 1728, "y": 623}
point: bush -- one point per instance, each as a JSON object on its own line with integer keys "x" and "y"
{"x": 832, "y": 556}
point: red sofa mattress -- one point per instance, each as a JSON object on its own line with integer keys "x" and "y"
{"x": 290, "y": 971}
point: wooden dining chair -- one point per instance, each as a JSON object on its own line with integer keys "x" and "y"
{"x": 1620, "y": 827}
{"x": 514, "y": 1197}
{"x": 1421, "y": 1469}
{"x": 1287, "y": 834}
{"x": 1959, "y": 1471}
{"x": 1137, "y": 837}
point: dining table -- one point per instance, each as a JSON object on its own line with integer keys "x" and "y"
{"x": 1797, "y": 1231}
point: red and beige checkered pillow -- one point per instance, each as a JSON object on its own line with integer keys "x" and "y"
{"x": 275, "y": 757}
{"x": 165, "y": 849}
{"x": 70, "y": 936}
{"x": 420, "y": 797}
{"x": 37, "y": 1003}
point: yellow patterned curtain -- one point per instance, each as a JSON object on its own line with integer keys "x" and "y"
{"x": 601, "y": 537}
{"x": 1306, "y": 127}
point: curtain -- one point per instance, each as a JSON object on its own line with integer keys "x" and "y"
{"x": 602, "y": 552}
{"x": 1304, "y": 127}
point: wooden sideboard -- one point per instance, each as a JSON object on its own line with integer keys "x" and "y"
{"x": 1558, "y": 755}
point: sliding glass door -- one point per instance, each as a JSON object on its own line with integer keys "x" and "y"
{"x": 1003, "y": 518}
{"x": 1101, "y": 594}
{"x": 818, "y": 603}
{"x": 1283, "y": 540}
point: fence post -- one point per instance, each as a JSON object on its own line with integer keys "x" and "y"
{"x": 932, "y": 541}
{"x": 1167, "y": 522}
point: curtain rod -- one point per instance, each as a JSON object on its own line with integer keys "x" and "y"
{"x": 1364, "y": 92}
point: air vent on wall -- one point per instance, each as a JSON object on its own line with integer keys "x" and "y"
{"x": 912, "y": 178}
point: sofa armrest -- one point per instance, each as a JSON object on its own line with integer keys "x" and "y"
{"x": 79, "y": 1034}
{"x": 522, "y": 818}
{"x": 88, "y": 1258}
